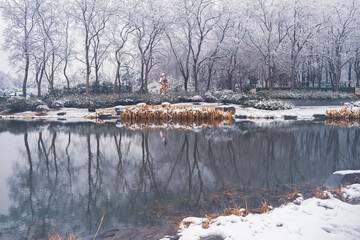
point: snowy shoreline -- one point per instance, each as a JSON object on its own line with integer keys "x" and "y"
{"x": 241, "y": 113}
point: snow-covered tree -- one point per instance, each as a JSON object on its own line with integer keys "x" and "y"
{"x": 20, "y": 16}
{"x": 149, "y": 27}
{"x": 269, "y": 33}
{"x": 92, "y": 16}
{"x": 338, "y": 37}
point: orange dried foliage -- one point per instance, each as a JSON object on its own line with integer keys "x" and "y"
{"x": 186, "y": 224}
{"x": 293, "y": 196}
{"x": 325, "y": 194}
{"x": 206, "y": 224}
{"x": 228, "y": 194}
{"x": 185, "y": 112}
{"x": 321, "y": 195}
{"x": 265, "y": 207}
{"x": 237, "y": 211}
{"x": 344, "y": 113}
{"x": 56, "y": 236}
{"x": 173, "y": 117}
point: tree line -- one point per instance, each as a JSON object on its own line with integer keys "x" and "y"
{"x": 200, "y": 44}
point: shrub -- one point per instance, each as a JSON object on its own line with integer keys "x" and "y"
{"x": 269, "y": 104}
{"x": 16, "y": 104}
{"x": 19, "y": 104}
{"x": 313, "y": 95}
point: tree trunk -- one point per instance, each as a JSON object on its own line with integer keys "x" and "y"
{"x": 319, "y": 73}
{"x": 142, "y": 89}
{"x": 39, "y": 91}
{"x": 267, "y": 82}
{"x": 52, "y": 74}
{"x": 117, "y": 78}
{"x": 87, "y": 69}
{"x": 27, "y": 59}
{"x": 209, "y": 77}
{"x": 96, "y": 79}
{"x": 196, "y": 79}
{"x": 349, "y": 72}
{"x": 52, "y": 88}
{"x": 338, "y": 68}
{"x": 38, "y": 82}
{"x": 271, "y": 77}
{"x": 229, "y": 81}
{"x": 67, "y": 78}
{"x": 293, "y": 74}
{"x": 146, "y": 80}
{"x": 338, "y": 74}
{"x": 186, "y": 83}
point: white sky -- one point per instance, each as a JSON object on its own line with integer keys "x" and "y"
{"x": 4, "y": 66}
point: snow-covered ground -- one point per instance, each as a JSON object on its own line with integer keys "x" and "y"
{"x": 302, "y": 113}
{"x": 72, "y": 115}
{"x": 312, "y": 218}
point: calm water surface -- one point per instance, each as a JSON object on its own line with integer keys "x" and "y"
{"x": 66, "y": 176}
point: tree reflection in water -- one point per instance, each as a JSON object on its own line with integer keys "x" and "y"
{"x": 74, "y": 173}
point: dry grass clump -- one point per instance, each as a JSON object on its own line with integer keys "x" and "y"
{"x": 175, "y": 113}
{"x": 209, "y": 219}
{"x": 56, "y": 236}
{"x": 265, "y": 207}
{"x": 237, "y": 211}
{"x": 293, "y": 196}
{"x": 321, "y": 194}
{"x": 206, "y": 223}
{"x": 186, "y": 224}
{"x": 173, "y": 117}
{"x": 345, "y": 117}
{"x": 344, "y": 113}
{"x": 53, "y": 235}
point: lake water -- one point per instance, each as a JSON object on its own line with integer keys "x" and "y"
{"x": 66, "y": 176}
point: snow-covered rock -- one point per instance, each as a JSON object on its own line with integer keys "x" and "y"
{"x": 126, "y": 102}
{"x": 165, "y": 104}
{"x": 57, "y": 104}
{"x": 209, "y": 98}
{"x": 341, "y": 178}
{"x": 42, "y": 108}
{"x": 35, "y": 103}
{"x": 223, "y": 92}
{"x": 197, "y": 98}
{"x": 141, "y": 104}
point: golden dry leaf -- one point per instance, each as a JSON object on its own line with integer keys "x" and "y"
{"x": 187, "y": 224}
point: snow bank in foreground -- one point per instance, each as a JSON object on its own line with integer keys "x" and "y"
{"x": 306, "y": 219}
